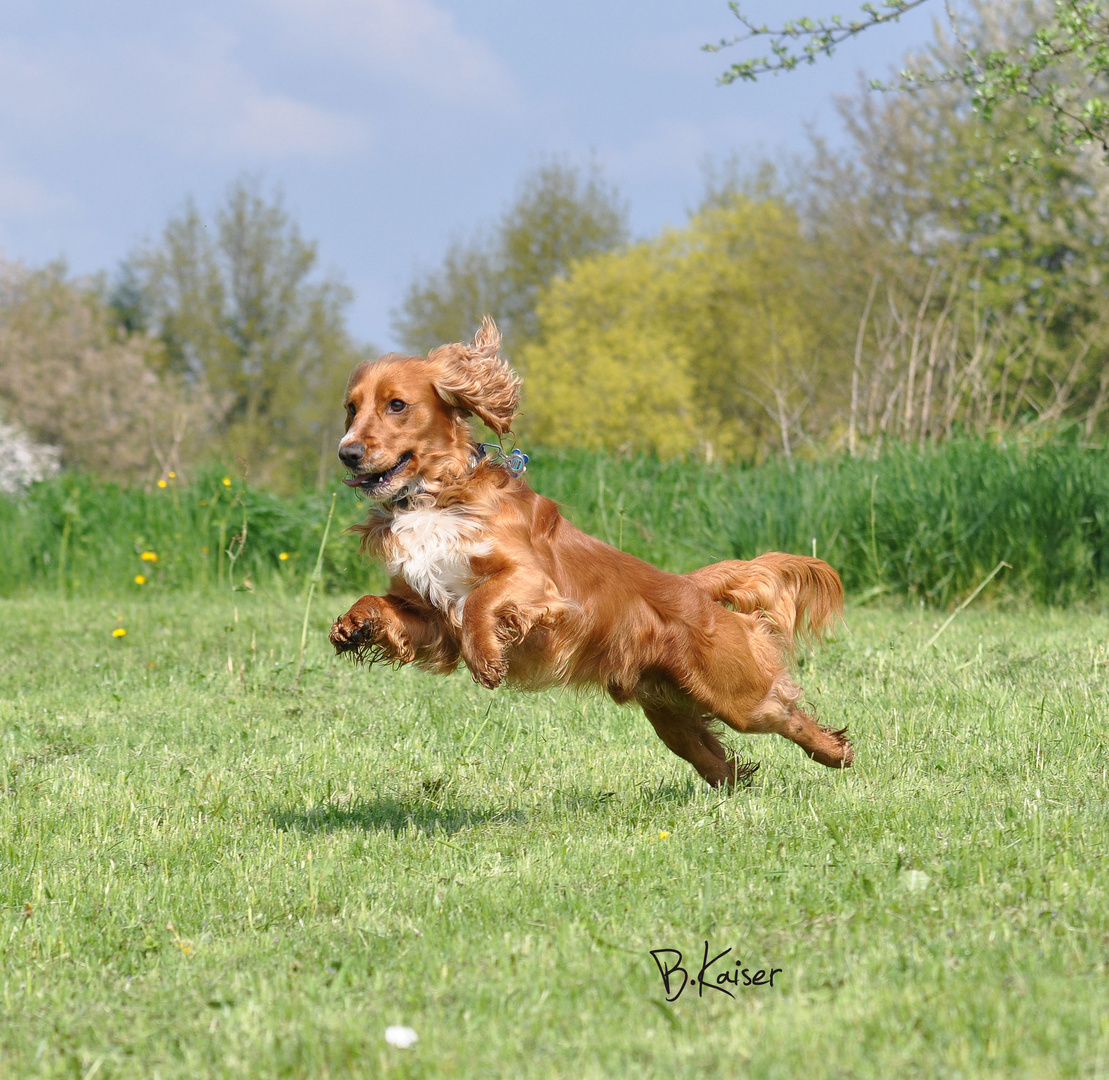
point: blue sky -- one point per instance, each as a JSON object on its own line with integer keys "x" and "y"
{"x": 391, "y": 126}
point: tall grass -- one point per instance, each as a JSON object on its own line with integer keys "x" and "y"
{"x": 80, "y": 536}
{"x": 925, "y": 523}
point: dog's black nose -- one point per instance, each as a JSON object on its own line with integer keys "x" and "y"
{"x": 350, "y": 454}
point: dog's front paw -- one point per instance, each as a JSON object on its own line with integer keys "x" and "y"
{"x": 513, "y": 625}
{"x": 348, "y": 632}
{"x": 369, "y": 634}
{"x": 490, "y": 672}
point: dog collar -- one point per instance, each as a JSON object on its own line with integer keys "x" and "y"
{"x": 515, "y": 461}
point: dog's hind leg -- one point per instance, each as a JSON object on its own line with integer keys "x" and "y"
{"x": 686, "y": 732}
{"x": 778, "y": 712}
{"x": 740, "y": 679}
{"x": 822, "y": 744}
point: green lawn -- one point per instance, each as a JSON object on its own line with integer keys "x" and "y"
{"x": 207, "y": 871}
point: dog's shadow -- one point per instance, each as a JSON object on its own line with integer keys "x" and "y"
{"x": 394, "y": 815}
{"x": 429, "y": 817}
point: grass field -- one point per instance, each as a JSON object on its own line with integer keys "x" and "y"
{"x": 210, "y": 872}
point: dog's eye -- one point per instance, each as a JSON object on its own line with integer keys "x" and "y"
{"x": 397, "y": 406}
{"x": 351, "y": 410}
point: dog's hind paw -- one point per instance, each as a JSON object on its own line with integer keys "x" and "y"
{"x": 846, "y": 750}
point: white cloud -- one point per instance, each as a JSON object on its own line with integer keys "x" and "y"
{"x": 204, "y": 103}
{"x": 24, "y": 196}
{"x": 413, "y": 42}
{"x": 272, "y": 125}
{"x": 194, "y": 99}
{"x": 231, "y": 83}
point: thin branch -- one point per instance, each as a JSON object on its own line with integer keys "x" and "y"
{"x": 1099, "y": 401}
{"x": 802, "y": 41}
{"x": 853, "y": 429}
{"x": 965, "y": 604}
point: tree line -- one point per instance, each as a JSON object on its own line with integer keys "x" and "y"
{"x": 941, "y": 273}
{"x": 219, "y": 340}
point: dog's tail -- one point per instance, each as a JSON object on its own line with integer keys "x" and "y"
{"x": 799, "y": 596}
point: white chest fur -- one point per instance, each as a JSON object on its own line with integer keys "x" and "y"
{"x": 432, "y": 549}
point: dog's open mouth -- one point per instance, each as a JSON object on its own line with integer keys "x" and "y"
{"x": 371, "y": 483}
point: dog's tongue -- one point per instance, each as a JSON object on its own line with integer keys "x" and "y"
{"x": 357, "y": 481}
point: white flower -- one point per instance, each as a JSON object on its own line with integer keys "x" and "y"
{"x": 404, "y": 1037}
{"x": 23, "y": 462}
{"x": 915, "y": 880}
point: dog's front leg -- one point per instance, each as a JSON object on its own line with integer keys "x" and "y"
{"x": 500, "y": 614}
{"x": 373, "y": 629}
{"x": 389, "y": 629}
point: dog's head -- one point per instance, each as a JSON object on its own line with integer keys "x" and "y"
{"x": 407, "y": 427}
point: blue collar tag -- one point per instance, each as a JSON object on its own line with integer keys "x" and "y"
{"x": 515, "y": 462}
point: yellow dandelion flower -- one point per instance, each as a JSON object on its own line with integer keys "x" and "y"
{"x": 140, "y": 579}
{"x": 283, "y": 556}
{"x": 203, "y": 502}
{"x": 203, "y": 551}
{"x": 119, "y": 632}
{"x": 149, "y": 556}
{"x": 161, "y": 483}
{"x": 172, "y": 475}
{"x": 663, "y": 835}
{"x": 227, "y": 481}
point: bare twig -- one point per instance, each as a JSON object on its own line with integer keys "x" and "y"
{"x": 853, "y": 428}
{"x": 914, "y": 351}
{"x": 951, "y": 618}
{"x": 313, "y": 581}
{"x": 1099, "y": 401}
{"x": 933, "y": 352}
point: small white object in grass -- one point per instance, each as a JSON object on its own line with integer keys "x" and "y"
{"x": 23, "y": 462}
{"x": 915, "y": 880}
{"x": 398, "y": 1035}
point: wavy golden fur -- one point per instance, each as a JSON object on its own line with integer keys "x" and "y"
{"x": 488, "y": 573}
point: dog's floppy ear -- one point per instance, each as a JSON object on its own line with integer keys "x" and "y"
{"x": 473, "y": 377}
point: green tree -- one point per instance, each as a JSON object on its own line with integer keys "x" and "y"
{"x": 72, "y": 380}
{"x": 242, "y": 313}
{"x": 1058, "y": 66}
{"x": 706, "y": 339}
{"x": 927, "y": 202}
{"x": 608, "y": 369}
{"x": 560, "y": 214}
{"x": 944, "y": 273}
